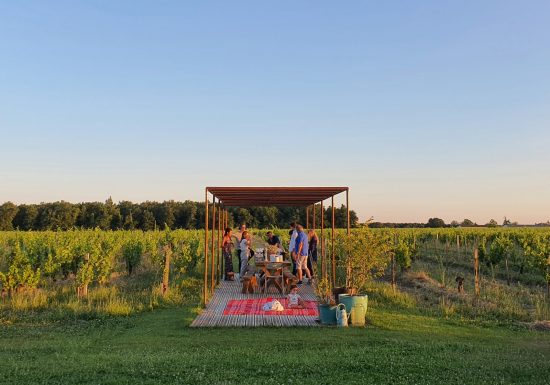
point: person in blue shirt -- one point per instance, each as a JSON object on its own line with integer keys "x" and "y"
{"x": 301, "y": 254}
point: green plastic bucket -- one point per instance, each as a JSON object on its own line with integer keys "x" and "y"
{"x": 327, "y": 314}
{"x": 356, "y": 306}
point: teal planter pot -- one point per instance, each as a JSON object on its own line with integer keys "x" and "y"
{"x": 356, "y": 307}
{"x": 327, "y": 314}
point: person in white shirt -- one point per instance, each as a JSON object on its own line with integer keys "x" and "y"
{"x": 244, "y": 246}
{"x": 237, "y": 238}
{"x": 293, "y": 235}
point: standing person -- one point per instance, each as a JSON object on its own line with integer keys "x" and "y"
{"x": 313, "y": 240}
{"x": 227, "y": 245}
{"x": 293, "y": 234}
{"x": 301, "y": 254}
{"x": 238, "y": 237}
{"x": 245, "y": 252}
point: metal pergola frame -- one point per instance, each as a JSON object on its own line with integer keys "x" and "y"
{"x": 308, "y": 197}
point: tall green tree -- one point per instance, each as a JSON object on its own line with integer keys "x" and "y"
{"x": 25, "y": 219}
{"x": 435, "y": 223}
{"x": 57, "y": 215}
{"x": 8, "y": 211}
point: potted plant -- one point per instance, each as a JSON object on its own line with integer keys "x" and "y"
{"x": 365, "y": 255}
{"x": 326, "y": 304}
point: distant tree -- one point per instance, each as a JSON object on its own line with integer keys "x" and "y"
{"x": 199, "y": 216}
{"x": 25, "y": 219}
{"x": 8, "y": 211}
{"x": 266, "y": 217}
{"x": 167, "y": 214}
{"x": 128, "y": 222}
{"x": 467, "y": 223}
{"x": 148, "y": 215}
{"x": 455, "y": 224}
{"x": 492, "y": 223}
{"x": 57, "y": 215}
{"x": 243, "y": 216}
{"x": 286, "y": 215}
{"x": 126, "y": 209}
{"x": 116, "y": 221}
{"x": 506, "y": 222}
{"x": 341, "y": 217}
{"x": 114, "y": 214}
{"x": 435, "y": 222}
{"x": 94, "y": 214}
{"x": 185, "y": 215}
{"x": 147, "y": 221}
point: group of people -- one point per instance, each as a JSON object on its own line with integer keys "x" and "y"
{"x": 302, "y": 249}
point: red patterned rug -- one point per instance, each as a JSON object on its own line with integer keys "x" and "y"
{"x": 254, "y": 306}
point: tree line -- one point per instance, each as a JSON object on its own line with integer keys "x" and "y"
{"x": 440, "y": 223}
{"x": 127, "y": 215}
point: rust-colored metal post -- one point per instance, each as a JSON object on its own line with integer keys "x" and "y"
{"x": 314, "y": 209}
{"x": 307, "y": 217}
{"x": 347, "y": 208}
{"x": 324, "y": 262}
{"x": 348, "y": 267}
{"x": 224, "y": 226}
{"x": 332, "y": 247}
{"x": 212, "y": 260}
{"x": 205, "y": 292}
{"x": 218, "y": 256}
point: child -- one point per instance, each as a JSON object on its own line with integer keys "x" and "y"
{"x": 294, "y": 299}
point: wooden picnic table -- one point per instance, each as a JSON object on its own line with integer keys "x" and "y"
{"x": 273, "y": 269}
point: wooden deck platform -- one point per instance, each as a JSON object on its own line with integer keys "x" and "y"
{"x": 213, "y": 316}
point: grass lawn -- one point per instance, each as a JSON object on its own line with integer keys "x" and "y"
{"x": 158, "y": 347}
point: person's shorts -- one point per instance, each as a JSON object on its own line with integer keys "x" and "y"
{"x": 301, "y": 263}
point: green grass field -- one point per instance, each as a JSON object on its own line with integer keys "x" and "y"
{"x": 159, "y": 347}
{"x": 126, "y": 332}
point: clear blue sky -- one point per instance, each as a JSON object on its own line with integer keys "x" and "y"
{"x": 431, "y": 108}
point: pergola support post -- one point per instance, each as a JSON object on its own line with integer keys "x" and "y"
{"x": 212, "y": 259}
{"x": 347, "y": 208}
{"x": 205, "y": 291}
{"x": 323, "y": 259}
{"x": 314, "y": 209}
{"x": 218, "y": 256}
{"x": 332, "y": 247}
{"x": 348, "y": 267}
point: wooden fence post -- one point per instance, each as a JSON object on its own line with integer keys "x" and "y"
{"x": 393, "y": 265}
{"x": 166, "y": 273}
{"x": 476, "y": 271}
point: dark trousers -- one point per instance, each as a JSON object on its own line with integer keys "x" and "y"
{"x": 309, "y": 264}
{"x": 228, "y": 260}
{"x": 312, "y": 260}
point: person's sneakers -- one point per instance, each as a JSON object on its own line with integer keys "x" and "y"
{"x": 299, "y": 282}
